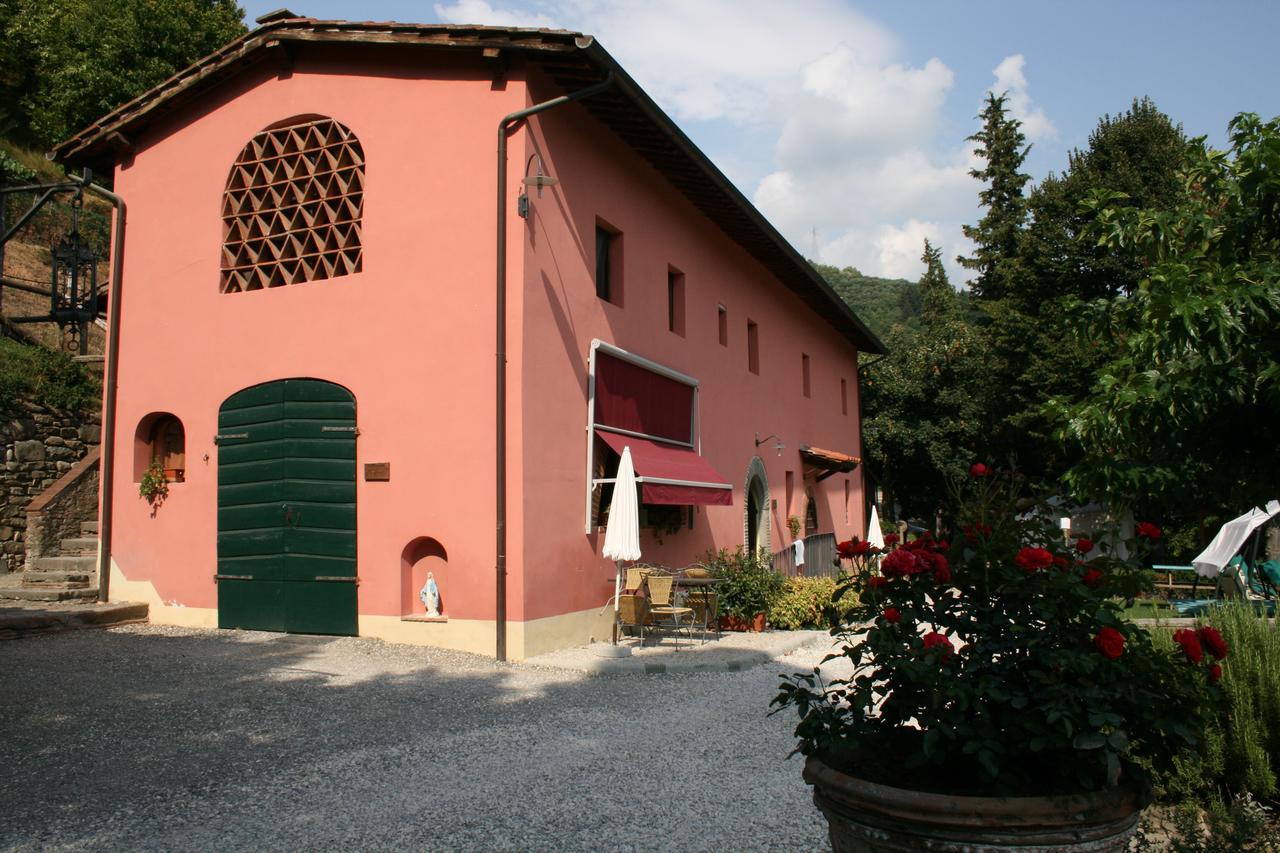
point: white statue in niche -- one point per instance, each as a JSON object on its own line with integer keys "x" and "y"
{"x": 430, "y": 596}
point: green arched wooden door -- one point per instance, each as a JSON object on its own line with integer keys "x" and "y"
{"x": 287, "y": 508}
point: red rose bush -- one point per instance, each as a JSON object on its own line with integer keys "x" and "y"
{"x": 997, "y": 663}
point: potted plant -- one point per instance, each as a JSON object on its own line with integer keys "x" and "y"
{"x": 154, "y": 485}
{"x": 994, "y": 695}
{"x": 747, "y": 586}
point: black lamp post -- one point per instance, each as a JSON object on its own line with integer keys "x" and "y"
{"x": 74, "y": 288}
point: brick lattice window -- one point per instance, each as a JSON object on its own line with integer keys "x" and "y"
{"x": 293, "y": 205}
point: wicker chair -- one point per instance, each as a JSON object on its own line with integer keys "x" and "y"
{"x": 663, "y": 610}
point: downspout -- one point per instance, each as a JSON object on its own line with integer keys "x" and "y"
{"x": 500, "y": 388}
{"x": 107, "y": 464}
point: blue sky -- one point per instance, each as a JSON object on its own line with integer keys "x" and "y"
{"x": 845, "y": 122}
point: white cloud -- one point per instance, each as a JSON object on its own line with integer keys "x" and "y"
{"x": 1010, "y": 79}
{"x": 480, "y": 12}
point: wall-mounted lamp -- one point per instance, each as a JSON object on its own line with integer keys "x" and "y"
{"x": 539, "y": 179}
{"x": 778, "y": 447}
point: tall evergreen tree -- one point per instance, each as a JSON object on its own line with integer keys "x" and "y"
{"x": 1003, "y": 147}
{"x": 938, "y": 302}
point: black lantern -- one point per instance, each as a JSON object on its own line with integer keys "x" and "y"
{"x": 74, "y": 289}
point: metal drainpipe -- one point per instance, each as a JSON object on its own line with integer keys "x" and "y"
{"x": 500, "y": 425}
{"x": 107, "y": 464}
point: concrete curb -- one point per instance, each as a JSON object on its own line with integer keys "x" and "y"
{"x": 736, "y": 660}
{"x": 16, "y": 623}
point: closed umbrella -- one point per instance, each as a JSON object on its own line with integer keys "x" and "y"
{"x": 622, "y": 534}
{"x": 874, "y": 536}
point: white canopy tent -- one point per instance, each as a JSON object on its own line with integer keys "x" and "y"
{"x": 1211, "y": 562}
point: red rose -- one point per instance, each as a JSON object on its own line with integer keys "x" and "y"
{"x": 901, "y": 563}
{"x": 973, "y": 531}
{"x": 941, "y": 571}
{"x": 844, "y": 550}
{"x": 891, "y": 539}
{"x": 977, "y": 469}
{"x": 1213, "y": 641}
{"x": 1084, "y": 546}
{"x": 1092, "y": 578}
{"x": 934, "y": 640}
{"x": 1061, "y": 561}
{"x": 1147, "y": 530}
{"x": 1031, "y": 559}
{"x": 1110, "y": 643}
{"x": 892, "y": 616}
{"x": 878, "y": 582}
{"x": 1215, "y": 673}
{"x": 943, "y": 545}
{"x": 1190, "y": 644}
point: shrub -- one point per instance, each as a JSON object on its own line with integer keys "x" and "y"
{"x": 51, "y": 378}
{"x": 1240, "y": 752}
{"x": 748, "y": 584}
{"x": 804, "y": 603}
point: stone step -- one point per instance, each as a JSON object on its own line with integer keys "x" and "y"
{"x": 89, "y": 528}
{"x": 48, "y": 593}
{"x": 86, "y": 563}
{"x": 17, "y": 622}
{"x": 72, "y": 580}
{"x": 79, "y": 545}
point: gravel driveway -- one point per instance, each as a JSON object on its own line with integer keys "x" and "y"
{"x": 149, "y": 737}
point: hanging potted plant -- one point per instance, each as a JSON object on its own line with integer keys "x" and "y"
{"x": 994, "y": 697}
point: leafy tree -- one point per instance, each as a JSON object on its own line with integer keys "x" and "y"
{"x": 1033, "y": 354}
{"x": 67, "y": 62}
{"x": 1003, "y": 147}
{"x": 879, "y": 302}
{"x": 923, "y": 415}
{"x": 1182, "y": 417}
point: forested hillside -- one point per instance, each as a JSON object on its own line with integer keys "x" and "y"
{"x": 879, "y": 302}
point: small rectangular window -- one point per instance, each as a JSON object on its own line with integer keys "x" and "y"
{"x": 675, "y": 301}
{"x": 723, "y": 320}
{"x": 791, "y": 488}
{"x": 804, "y": 374}
{"x": 608, "y": 263}
{"x": 604, "y": 242}
{"x": 753, "y": 348}
{"x": 844, "y": 398}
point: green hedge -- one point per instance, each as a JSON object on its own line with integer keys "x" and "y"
{"x": 804, "y": 603}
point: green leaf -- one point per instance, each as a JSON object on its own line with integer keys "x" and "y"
{"x": 1089, "y": 740}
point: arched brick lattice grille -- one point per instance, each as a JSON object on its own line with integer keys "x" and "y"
{"x": 292, "y": 209}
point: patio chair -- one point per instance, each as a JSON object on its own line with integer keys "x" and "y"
{"x": 703, "y": 601}
{"x": 663, "y": 610}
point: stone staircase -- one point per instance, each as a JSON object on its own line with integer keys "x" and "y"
{"x": 70, "y": 577}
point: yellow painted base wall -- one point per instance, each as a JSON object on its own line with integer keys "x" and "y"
{"x": 524, "y": 639}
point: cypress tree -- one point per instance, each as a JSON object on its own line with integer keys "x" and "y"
{"x": 1003, "y": 147}
{"x": 938, "y": 301}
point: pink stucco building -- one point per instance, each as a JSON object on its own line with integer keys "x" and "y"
{"x": 309, "y": 329}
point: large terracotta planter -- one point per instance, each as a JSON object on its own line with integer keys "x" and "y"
{"x": 871, "y": 818}
{"x": 733, "y": 623}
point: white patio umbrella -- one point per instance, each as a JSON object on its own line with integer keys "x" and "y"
{"x": 1224, "y": 546}
{"x": 874, "y": 536}
{"x": 622, "y": 534}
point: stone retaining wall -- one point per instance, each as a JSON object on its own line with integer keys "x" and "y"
{"x": 40, "y": 446}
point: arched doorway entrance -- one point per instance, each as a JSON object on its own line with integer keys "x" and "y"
{"x": 287, "y": 508}
{"x": 756, "y": 533}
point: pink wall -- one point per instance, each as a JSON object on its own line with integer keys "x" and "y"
{"x": 600, "y": 177}
{"x": 411, "y": 336}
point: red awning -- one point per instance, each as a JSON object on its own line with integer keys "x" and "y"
{"x": 671, "y": 475}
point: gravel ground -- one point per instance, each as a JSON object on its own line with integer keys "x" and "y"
{"x": 150, "y": 737}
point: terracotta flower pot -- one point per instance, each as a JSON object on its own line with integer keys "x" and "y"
{"x": 870, "y": 818}
{"x": 733, "y": 623}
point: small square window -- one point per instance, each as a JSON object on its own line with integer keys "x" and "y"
{"x": 844, "y": 397}
{"x": 675, "y": 301}
{"x": 753, "y": 348}
{"x": 804, "y": 374}
{"x": 723, "y": 319}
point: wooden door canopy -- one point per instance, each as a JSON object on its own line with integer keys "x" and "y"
{"x": 828, "y": 462}
{"x": 293, "y": 206}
